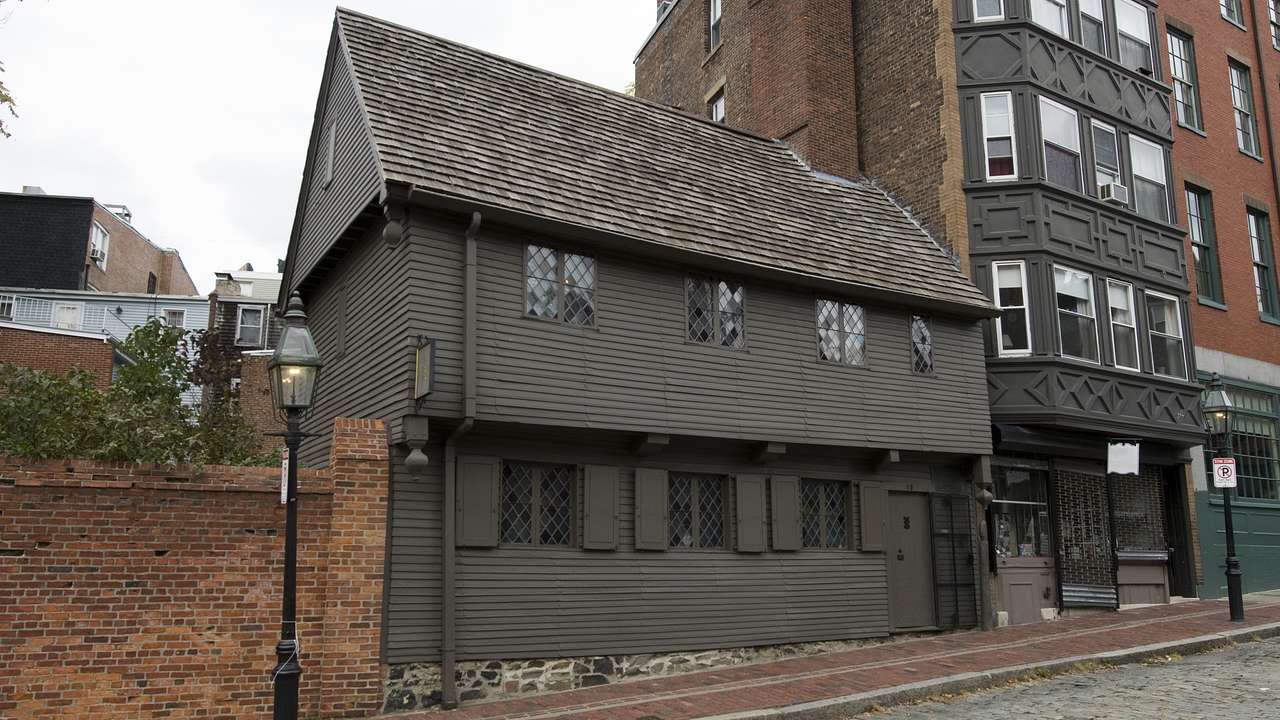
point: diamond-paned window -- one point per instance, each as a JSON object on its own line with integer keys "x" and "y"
{"x": 716, "y": 312}
{"x": 546, "y": 488}
{"x": 842, "y": 335}
{"x": 824, "y": 514}
{"x": 921, "y": 345}
{"x": 696, "y": 511}
{"x": 560, "y": 286}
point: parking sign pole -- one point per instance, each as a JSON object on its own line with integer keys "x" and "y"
{"x": 1224, "y": 470}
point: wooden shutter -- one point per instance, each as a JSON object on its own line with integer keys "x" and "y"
{"x": 875, "y": 502}
{"x": 477, "y": 500}
{"x": 786, "y": 512}
{"x": 752, "y": 536}
{"x": 651, "y": 509}
{"x": 600, "y": 508}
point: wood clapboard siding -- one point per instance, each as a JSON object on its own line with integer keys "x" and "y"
{"x": 326, "y": 212}
{"x": 413, "y": 596}
{"x": 636, "y": 372}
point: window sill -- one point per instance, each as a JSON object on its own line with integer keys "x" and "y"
{"x": 1209, "y": 302}
{"x": 1269, "y": 319}
{"x": 717, "y": 346}
{"x": 1248, "y": 154}
{"x": 559, "y": 323}
{"x": 849, "y": 366}
{"x": 1233, "y": 23}
{"x": 1193, "y": 129}
{"x": 711, "y": 54}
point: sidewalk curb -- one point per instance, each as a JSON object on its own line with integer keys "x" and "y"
{"x": 841, "y": 708}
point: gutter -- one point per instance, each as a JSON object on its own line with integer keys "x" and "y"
{"x": 448, "y": 550}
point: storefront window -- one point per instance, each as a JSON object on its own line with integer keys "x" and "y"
{"x": 1020, "y": 512}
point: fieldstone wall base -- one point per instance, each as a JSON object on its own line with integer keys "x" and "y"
{"x": 416, "y": 686}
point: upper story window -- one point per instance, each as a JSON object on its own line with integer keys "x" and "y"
{"x": 715, "y": 10}
{"x": 696, "y": 510}
{"x": 1093, "y": 26}
{"x": 824, "y": 515}
{"x": 175, "y": 317}
{"x": 249, "y": 322}
{"x": 1051, "y": 15}
{"x": 716, "y": 108}
{"x": 1106, "y": 154}
{"x": 1264, "y": 270}
{"x": 1164, "y": 325}
{"x": 716, "y": 312}
{"x": 151, "y": 283}
{"x": 1124, "y": 325}
{"x": 326, "y": 155}
{"x": 1182, "y": 62}
{"x": 1273, "y": 17}
{"x": 999, "y": 141}
{"x": 986, "y": 10}
{"x": 99, "y": 245}
{"x": 921, "y": 345}
{"x": 1013, "y": 326}
{"x": 1060, "y": 128}
{"x": 1242, "y": 101}
{"x": 1077, "y": 321}
{"x": 1204, "y": 244}
{"x": 1150, "y": 186}
{"x": 246, "y": 289}
{"x": 537, "y": 504}
{"x": 1232, "y": 10}
{"x": 560, "y": 286}
{"x": 842, "y": 332}
{"x": 1133, "y": 25}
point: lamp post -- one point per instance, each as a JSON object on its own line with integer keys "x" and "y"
{"x": 1217, "y": 410}
{"x": 294, "y": 368}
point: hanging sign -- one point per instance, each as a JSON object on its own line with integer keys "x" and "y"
{"x": 424, "y": 371}
{"x": 1122, "y": 458}
{"x": 284, "y": 478}
{"x": 1224, "y": 472}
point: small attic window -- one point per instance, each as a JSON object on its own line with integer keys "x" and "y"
{"x": 325, "y": 160}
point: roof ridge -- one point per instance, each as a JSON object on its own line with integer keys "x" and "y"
{"x": 583, "y": 84}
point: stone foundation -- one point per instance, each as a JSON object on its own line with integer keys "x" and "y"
{"x": 416, "y": 686}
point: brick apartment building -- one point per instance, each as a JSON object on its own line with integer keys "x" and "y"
{"x": 1034, "y": 138}
{"x": 56, "y": 242}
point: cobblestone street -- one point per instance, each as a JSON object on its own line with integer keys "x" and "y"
{"x": 1239, "y": 682}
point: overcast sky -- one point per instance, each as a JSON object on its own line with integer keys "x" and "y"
{"x": 197, "y": 114}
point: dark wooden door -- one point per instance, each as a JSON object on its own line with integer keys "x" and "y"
{"x": 1178, "y": 528}
{"x": 911, "y": 599}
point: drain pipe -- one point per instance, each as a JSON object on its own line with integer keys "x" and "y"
{"x": 448, "y": 552}
{"x": 1260, "y": 53}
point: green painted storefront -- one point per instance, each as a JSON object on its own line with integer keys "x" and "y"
{"x": 1257, "y": 525}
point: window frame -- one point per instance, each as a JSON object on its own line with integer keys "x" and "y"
{"x": 1064, "y": 14}
{"x": 1106, "y": 44}
{"x": 839, "y": 330}
{"x": 1025, "y": 307}
{"x": 1151, "y": 41}
{"x": 715, "y": 30}
{"x": 1045, "y": 142}
{"x": 100, "y": 240}
{"x": 987, "y": 137}
{"x": 1133, "y": 329}
{"x": 1151, "y": 332}
{"x": 1225, "y": 10}
{"x": 695, "y": 511}
{"x": 1243, "y": 72}
{"x": 1191, "y": 83}
{"x": 1262, "y": 254}
{"x": 718, "y": 103}
{"x": 329, "y": 146}
{"x": 927, "y": 321}
{"x": 1164, "y": 182}
{"x": 262, "y": 323}
{"x": 1093, "y": 306}
{"x": 9, "y": 301}
{"x": 823, "y": 516}
{"x": 164, "y": 314}
{"x": 561, "y": 285}
{"x": 979, "y": 17}
{"x": 717, "y": 332}
{"x": 535, "y": 504}
{"x": 1095, "y": 124}
{"x": 78, "y": 307}
{"x": 1207, "y": 247}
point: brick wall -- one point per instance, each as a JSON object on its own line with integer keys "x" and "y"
{"x": 147, "y": 592}
{"x": 256, "y": 403}
{"x": 131, "y": 258}
{"x": 56, "y": 353}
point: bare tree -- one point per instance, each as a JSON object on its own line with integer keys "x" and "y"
{"x": 7, "y": 102}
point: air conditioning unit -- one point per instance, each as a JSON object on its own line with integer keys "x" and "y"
{"x": 1114, "y": 193}
{"x": 97, "y": 255}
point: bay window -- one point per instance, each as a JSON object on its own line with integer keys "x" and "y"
{"x": 1133, "y": 24}
{"x": 1124, "y": 325}
{"x": 1060, "y": 128}
{"x": 999, "y": 139}
{"x": 1164, "y": 328}
{"x": 1093, "y": 26}
{"x": 1106, "y": 155}
{"x": 1150, "y": 186}
{"x": 1051, "y": 15}
{"x": 1013, "y": 326}
{"x": 1077, "y": 321}
{"x": 984, "y": 10}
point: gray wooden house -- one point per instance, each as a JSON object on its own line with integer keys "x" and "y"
{"x": 684, "y": 392}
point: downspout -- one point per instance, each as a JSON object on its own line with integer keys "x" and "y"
{"x": 1260, "y": 53}
{"x": 448, "y": 574}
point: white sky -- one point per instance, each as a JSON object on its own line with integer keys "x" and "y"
{"x": 197, "y": 114}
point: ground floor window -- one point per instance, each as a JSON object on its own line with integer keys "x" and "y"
{"x": 824, "y": 515}
{"x": 696, "y": 510}
{"x": 1255, "y": 443}
{"x": 537, "y": 503}
{"x": 1020, "y": 512}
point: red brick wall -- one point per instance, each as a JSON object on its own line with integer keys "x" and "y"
{"x": 1213, "y": 161}
{"x": 147, "y": 592}
{"x": 256, "y": 403}
{"x": 56, "y": 353}
{"x": 131, "y": 258}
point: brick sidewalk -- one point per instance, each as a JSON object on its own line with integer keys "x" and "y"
{"x": 823, "y": 677}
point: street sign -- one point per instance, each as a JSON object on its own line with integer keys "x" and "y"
{"x": 284, "y": 478}
{"x": 1224, "y": 472}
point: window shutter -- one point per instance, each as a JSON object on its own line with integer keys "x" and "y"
{"x": 478, "y": 501}
{"x": 651, "y": 509}
{"x": 600, "y": 508}
{"x": 786, "y": 512}
{"x": 751, "y": 528}
{"x": 875, "y": 499}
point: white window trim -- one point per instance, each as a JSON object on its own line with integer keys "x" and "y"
{"x": 987, "y": 18}
{"x": 715, "y": 14}
{"x": 1182, "y": 333}
{"x": 1111, "y": 323}
{"x": 1163, "y": 182}
{"x": 261, "y": 326}
{"x": 1093, "y": 306}
{"x": 165, "y": 311}
{"x": 1119, "y": 159}
{"x": 1064, "y": 12}
{"x": 1044, "y": 155}
{"x": 1150, "y": 41}
{"x": 1106, "y": 40}
{"x": 1026, "y": 307}
{"x": 104, "y": 247}
{"x": 1013, "y": 138}
{"x": 53, "y": 316}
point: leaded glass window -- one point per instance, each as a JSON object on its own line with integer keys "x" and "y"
{"x": 716, "y": 312}
{"x": 921, "y": 345}
{"x": 560, "y": 286}
{"x": 696, "y": 511}
{"x": 824, "y": 513}
{"x": 842, "y": 332}
{"x": 537, "y": 503}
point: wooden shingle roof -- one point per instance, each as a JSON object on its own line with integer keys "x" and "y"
{"x": 453, "y": 121}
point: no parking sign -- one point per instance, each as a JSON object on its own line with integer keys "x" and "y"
{"x": 1224, "y": 472}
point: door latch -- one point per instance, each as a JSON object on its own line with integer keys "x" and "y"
{"x": 901, "y": 557}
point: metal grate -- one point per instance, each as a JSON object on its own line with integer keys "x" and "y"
{"x": 517, "y": 503}
{"x": 680, "y": 511}
{"x": 701, "y": 323}
{"x": 549, "y": 488}
{"x": 921, "y": 345}
{"x": 955, "y": 563}
{"x": 555, "y": 506}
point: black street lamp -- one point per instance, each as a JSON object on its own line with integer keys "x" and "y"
{"x": 294, "y": 368}
{"x": 1218, "y": 410}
